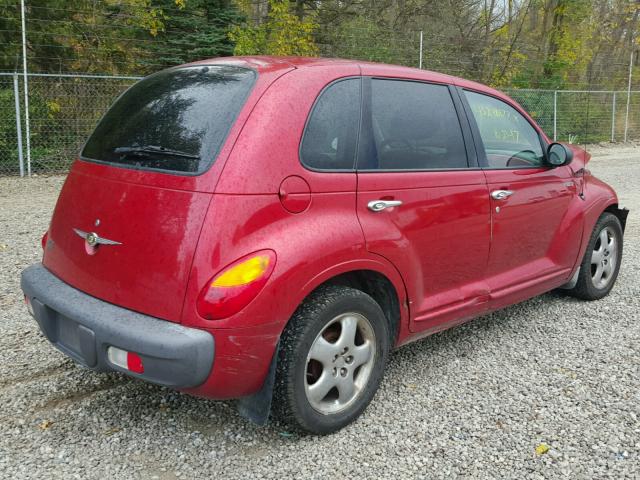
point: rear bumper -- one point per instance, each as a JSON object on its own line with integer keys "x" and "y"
{"x": 83, "y": 327}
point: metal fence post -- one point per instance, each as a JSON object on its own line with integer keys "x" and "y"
{"x": 613, "y": 118}
{"x": 555, "y": 115}
{"x": 421, "y": 37}
{"x": 626, "y": 119}
{"x": 26, "y": 88}
{"x": 16, "y": 96}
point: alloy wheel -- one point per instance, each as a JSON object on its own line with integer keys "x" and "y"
{"x": 339, "y": 363}
{"x": 604, "y": 258}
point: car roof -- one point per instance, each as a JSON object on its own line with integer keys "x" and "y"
{"x": 270, "y": 63}
{"x": 267, "y": 62}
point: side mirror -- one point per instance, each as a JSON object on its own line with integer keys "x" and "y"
{"x": 559, "y": 155}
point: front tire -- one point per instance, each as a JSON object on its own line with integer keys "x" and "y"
{"x": 331, "y": 360}
{"x": 601, "y": 263}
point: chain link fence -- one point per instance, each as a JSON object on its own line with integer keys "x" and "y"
{"x": 63, "y": 109}
{"x": 10, "y": 124}
{"x": 582, "y": 116}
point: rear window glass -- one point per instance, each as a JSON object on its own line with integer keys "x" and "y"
{"x": 175, "y": 120}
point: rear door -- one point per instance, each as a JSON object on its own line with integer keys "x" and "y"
{"x": 529, "y": 200}
{"x": 129, "y": 216}
{"x": 421, "y": 203}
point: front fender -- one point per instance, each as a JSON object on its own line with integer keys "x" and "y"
{"x": 598, "y": 197}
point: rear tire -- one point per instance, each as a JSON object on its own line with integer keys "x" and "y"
{"x": 601, "y": 262}
{"x": 331, "y": 360}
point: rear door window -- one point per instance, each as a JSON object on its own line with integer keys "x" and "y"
{"x": 413, "y": 126}
{"x": 176, "y": 120}
{"x": 331, "y": 134}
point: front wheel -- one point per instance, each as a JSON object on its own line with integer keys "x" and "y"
{"x": 331, "y": 360}
{"x": 601, "y": 262}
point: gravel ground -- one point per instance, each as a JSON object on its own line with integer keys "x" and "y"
{"x": 474, "y": 401}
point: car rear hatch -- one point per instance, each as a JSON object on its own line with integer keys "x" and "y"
{"x": 128, "y": 219}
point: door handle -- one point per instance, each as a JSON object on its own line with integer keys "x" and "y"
{"x": 379, "y": 205}
{"x": 501, "y": 194}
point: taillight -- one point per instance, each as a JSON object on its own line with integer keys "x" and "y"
{"x": 235, "y": 286}
{"x": 43, "y": 240}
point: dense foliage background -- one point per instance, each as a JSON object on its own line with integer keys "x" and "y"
{"x": 533, "y": 49}
{"x": 523, "y": 43}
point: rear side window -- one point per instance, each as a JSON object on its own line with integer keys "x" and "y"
{"x": 414, "y": 126}
{"x": 330, "y": 137}
{"x": 509, "y": 139}
{"x": 176, "y": 120}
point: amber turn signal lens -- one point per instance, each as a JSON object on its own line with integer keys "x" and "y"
{"x": 243, "y": 273}
{"x": 235, "y": 286}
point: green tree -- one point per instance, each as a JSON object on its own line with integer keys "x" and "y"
{"x": 282, "y": 33}
{"x": 45, "y": 44}
{"x": 361, "y": 38}
{"x": 193, "y": 30}
{"x": 10, "y": 35}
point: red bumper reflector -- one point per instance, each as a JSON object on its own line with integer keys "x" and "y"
{"x": 128, "y": 360}
{"x": 134, "y": 362}
{"x": 27, "y": 302}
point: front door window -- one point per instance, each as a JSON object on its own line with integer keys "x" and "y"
{"x": 509, "y": 139}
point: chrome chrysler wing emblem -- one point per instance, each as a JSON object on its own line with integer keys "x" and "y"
{"x": 93, "y": 239}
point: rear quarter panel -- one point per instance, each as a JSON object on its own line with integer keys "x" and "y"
{"x": 246, "y": 215}
{"x": 266, "y": 152}
{"x": 311, "y": 247}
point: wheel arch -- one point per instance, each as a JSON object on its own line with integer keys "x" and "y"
{"x": 620, "y": 213}
{"x": 592, "y": 214}
{"x": 600, "y": 198}
{"x": 380, "y": 281}
{"x": 378, "y": 287}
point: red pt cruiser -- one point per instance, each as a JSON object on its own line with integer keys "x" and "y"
{"x": 269, "y": 228}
